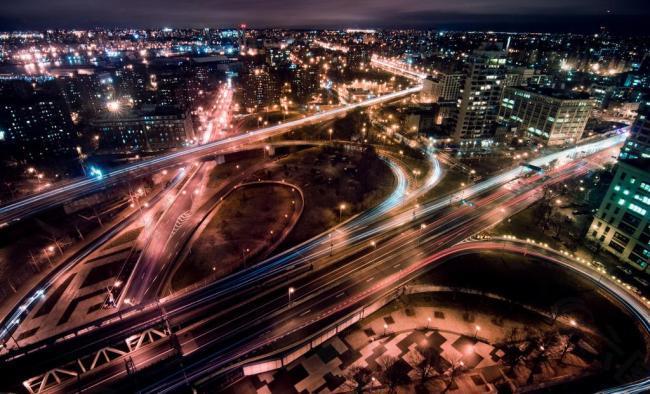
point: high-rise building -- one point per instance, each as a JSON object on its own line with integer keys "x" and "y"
{"x": 441, "y": 88}
{"x": 638, "y": 144}
{"x": 259, "y": 88}
{"x": 621, "y": 224}
{"x": 149, "y": 130}
{"x": 36, "y": 128}
{"x": 549, "y": 116}
{"x": 478, "y": 105}
{"x": 305, "y": 82}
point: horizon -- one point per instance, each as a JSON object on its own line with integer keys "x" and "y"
{"x": 554, "y": 16}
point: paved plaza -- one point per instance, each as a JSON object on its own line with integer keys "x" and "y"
{"x": 400, "y": 334}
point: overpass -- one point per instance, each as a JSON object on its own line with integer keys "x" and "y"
{"x": 74, "y": 189}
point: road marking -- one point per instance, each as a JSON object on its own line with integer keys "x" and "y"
{"x": 305, "y": 312}
{"x": 369, "y": 279}
{"x": 397, "y": 265}
{"x": 340, "y": 294}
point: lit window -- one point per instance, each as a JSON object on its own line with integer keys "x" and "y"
{"x": 637, "y": 209}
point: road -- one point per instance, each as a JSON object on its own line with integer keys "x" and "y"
{"x": 352, "y": 246}
{"x": 33, "y": 297}
{"x": 74, "y": 189}
{"x": 154, "y": 269}
{"x": 173, "y": 228}
{"x": 328, "y": 296}
{"x": 344, "y": 271}
{"x": 339, "y": 286}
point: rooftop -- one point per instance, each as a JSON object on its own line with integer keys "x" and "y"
{"x": 560, "y": 94}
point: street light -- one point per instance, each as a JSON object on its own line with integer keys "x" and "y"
{"x": 341, "y": 208}
{"x": 47, "y": 252}
{"x": 290, "y": 292}
{"x": 422, "y": 227}
{"x": 330, "y": 131}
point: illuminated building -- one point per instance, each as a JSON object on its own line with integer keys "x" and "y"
{"x": 35, "y": 129}
{"x": 621, "y": 223}
{"x": 638, "y": 143}
{"x": 549, "y": 116}
{"x": 149, "y": 130}
{"x": 477, "y": 107}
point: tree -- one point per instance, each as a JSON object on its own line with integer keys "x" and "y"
{"x": 427, "y": 363}
{"x": 569, "y": 344}
{"x": 392, "y": 374}
{"x": 543, "y": 344}
{"x": 453, "y": 372}
{"x": 357, "y": 378}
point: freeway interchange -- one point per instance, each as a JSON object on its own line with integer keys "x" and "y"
{"x": 326, "y": 269}
{"x": 248, "y": 317}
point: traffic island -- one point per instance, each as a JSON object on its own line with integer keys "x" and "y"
{"x": 249, "y": 224}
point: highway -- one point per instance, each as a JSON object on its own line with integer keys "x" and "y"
{"x": 171, "y": 230}
{"x": 74, "y": 189}
{"x": 10, "y": 321}
{"x": 350, "y": 245}
{"x": 341, "y": 285}
{"x": 342, "y": 244}
{"x": 155, "y": 268}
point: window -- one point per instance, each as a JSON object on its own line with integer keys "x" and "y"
{"x": 616, "y": 246}
{"x": 637, "y": 209}
{"x": 621, "y": 238}
{"x": 631, "y": 219}
{"x": 643, "y": 199}
{"x": 638, "y": 260}
{"x": 626, "y": 228}
{"x": 645, "y": 186}
{"x": 639, "y": 249}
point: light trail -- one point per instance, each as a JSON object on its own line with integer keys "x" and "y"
{"x": 74, "y": 189}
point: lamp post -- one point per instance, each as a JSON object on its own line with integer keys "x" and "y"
{"x": 341, "y": 208}
{"x": 47, "y": 252}
{"x": 290, "y": 292}
{"x": 422, "y": 227}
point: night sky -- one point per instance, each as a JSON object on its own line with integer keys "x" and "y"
{"x": 514, "y": 15}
